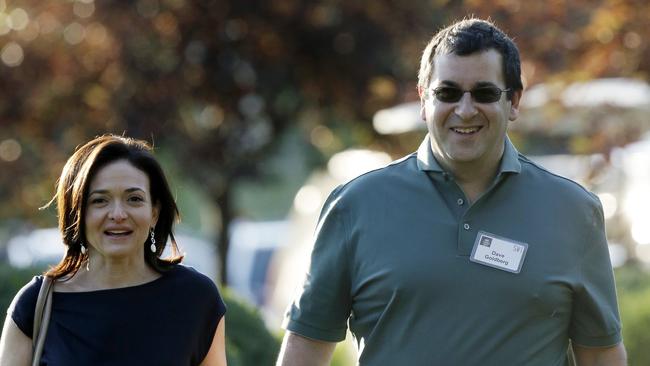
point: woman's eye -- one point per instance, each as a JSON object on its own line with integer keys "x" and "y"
{"x": 136, "y": 199}
{"x": 97, "y": 200}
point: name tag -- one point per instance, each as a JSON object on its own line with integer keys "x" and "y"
{"x": 498, "y": 252}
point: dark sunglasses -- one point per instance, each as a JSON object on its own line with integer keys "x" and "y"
{"x": 483, "y": 94}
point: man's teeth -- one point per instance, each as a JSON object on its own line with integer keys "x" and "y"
{"x": 465, "y": 130}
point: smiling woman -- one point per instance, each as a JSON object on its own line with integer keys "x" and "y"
{"x": 119, "y": 213}
{"x": 115, "y": 299}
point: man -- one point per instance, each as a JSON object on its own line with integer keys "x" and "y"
{"x": 465, "y": 252}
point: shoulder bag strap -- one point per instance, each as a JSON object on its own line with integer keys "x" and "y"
{"x": 41, "y": 318}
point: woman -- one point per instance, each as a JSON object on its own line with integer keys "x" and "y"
{"x": 115, "y": 300}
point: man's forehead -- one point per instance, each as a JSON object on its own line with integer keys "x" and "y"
{"x": 476, "y": 68}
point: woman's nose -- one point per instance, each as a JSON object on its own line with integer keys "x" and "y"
{"x": 117, "y": 212}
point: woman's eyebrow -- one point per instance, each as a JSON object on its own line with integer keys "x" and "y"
{"x": 104, "y": 191}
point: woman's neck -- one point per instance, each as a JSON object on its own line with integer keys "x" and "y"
{"x": 100, "y": 273}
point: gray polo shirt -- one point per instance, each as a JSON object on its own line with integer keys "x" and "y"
{"x": 391, "y": 258}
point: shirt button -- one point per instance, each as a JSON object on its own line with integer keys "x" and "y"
{"x": 460, "y": 202}
{"x": 466, "y": 226}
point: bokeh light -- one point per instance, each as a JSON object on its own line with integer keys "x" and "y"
{"x": 632, "y": 40}
{"x": 166, "y": 24}
{"x": 321, "y": 137}
{"x": 12, "y": 54}
{"x": 235, "y": 29}
{"x": 83, "y": 9}
{"x": 5, "y": 22}
{"x": 96, "y": 34}
{"x": 97, "y": 97}
{"x": 74, "y": 33}
{"x": 148, "y": 8}
{"x": 10, "y": 150}
{"x": 251, "y": 105}
{"x": 211, "y": 117}
{"x": 19, "y": 19}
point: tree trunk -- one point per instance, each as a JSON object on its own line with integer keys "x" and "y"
{"x": 223, "y": 241}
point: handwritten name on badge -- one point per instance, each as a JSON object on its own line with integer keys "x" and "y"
{"x": 498, "y": 252}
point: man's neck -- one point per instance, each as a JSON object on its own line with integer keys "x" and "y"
{"x": 474, "y": 178}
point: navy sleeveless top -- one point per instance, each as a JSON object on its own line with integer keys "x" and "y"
{"x": 169, "y": 321}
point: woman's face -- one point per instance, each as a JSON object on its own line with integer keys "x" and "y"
{"x": 119, "y": 211}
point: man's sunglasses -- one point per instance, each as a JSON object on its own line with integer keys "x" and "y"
{"x": 483, "y": 94}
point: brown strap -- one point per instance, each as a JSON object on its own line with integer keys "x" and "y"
{"x": 41, "y": 318}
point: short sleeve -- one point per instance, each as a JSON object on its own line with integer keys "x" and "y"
{"x": 595, "y": 319}
{"x": 322, "y": 307}
{"x": 22, "y": 307}
{"x": 216, "y": 310}
{"x": 206, "y": 307}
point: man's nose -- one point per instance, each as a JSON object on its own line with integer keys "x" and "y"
{"x": 465, "y": 108}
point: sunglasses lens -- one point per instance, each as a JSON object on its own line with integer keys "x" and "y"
{"x": 448, "y": 94}
{"x": 486, "y": 95}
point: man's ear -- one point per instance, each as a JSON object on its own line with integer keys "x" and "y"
{"x": 514, "y": 104}
{"x": 422, "y": 95}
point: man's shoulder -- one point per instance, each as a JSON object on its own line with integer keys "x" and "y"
{"x": 380, "y": 180}
{"x": 397, "y": 169}
{"x": 543, "y": 180}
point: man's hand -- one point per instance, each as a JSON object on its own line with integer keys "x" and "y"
{"x": 300, "y": 351}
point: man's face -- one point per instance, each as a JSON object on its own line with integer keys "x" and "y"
{"x": 467, "y": 134}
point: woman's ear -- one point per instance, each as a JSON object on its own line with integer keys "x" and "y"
{"x": 155, "y": 212}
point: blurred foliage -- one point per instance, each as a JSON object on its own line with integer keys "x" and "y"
{"x": 248, "y": 341}
{"x": 345, "y": 353}
{"x": 633, "y": 284}
{"x": 216, "y": 82}
{"x": 13, "y": 279}
{"x": 635, "y": 313}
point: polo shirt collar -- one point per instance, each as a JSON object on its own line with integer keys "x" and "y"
{"x": 509, "y": 161}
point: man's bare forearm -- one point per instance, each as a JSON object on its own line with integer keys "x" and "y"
{"x": 605, "y": 356}
{"x": 301, "y": 351}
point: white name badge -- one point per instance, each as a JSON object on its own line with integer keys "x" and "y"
{"x": 498, "y": 252}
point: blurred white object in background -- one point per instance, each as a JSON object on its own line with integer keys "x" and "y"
{"x": 636, "y": 163}
{"x": 399, "y": 119}
{"x": 619, "y": 92}
{"x": 43, "y": 247}
{"x": 252, "y": 244}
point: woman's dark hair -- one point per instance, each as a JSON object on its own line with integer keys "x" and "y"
{"x": 72, "y": 194}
